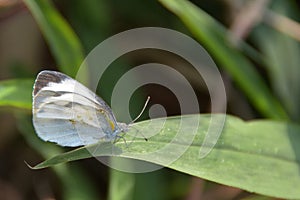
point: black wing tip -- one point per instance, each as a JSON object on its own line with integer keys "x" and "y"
{"x": 45, "y": 77}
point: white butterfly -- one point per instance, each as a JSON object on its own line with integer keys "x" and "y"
{"x": 69, "y": 114}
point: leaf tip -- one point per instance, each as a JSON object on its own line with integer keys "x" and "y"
{"x": 32, "y": 167}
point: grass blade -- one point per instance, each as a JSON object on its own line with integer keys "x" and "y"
{"x": 16, "y": 92}
{"x": 63, "y": 42}
{"x": 256, "y": 156}
{"x": 213, "y": 36}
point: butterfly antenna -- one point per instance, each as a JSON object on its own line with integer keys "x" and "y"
{"x": 145, "y": 105}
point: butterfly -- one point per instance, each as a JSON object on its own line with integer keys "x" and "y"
{"x": 69, "y": 114}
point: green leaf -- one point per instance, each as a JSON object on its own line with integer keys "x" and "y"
{"x": 63, "y": 42}
{"x": 93, "y": 23}
{"x": 214, "y": 37}
{"x": 282, "y": 53}
{"x": 261, "y": 156}
{"x": 16, "y": 92}
{"x": 122, "y": 184}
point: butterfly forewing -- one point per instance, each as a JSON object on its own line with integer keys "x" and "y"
{"x": 68, "y": 113}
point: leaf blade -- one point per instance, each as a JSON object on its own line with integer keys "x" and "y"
{"x": 213, "y": 36}
{"x": 63, "y": 42}
{"x": 245, "y": 156}
{"x": 16, "y": 93}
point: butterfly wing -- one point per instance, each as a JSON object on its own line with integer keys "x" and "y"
{"x": 68, "y": 113}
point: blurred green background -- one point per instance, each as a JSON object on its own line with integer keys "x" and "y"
{"x": 255, "y": 44}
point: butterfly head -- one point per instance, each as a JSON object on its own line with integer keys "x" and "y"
{"x": 122, "y": 127}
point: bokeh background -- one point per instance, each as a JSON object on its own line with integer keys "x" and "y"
{"x": 253, "y": 42}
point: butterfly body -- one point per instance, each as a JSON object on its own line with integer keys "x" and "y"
{"x": 69, "y": 114}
